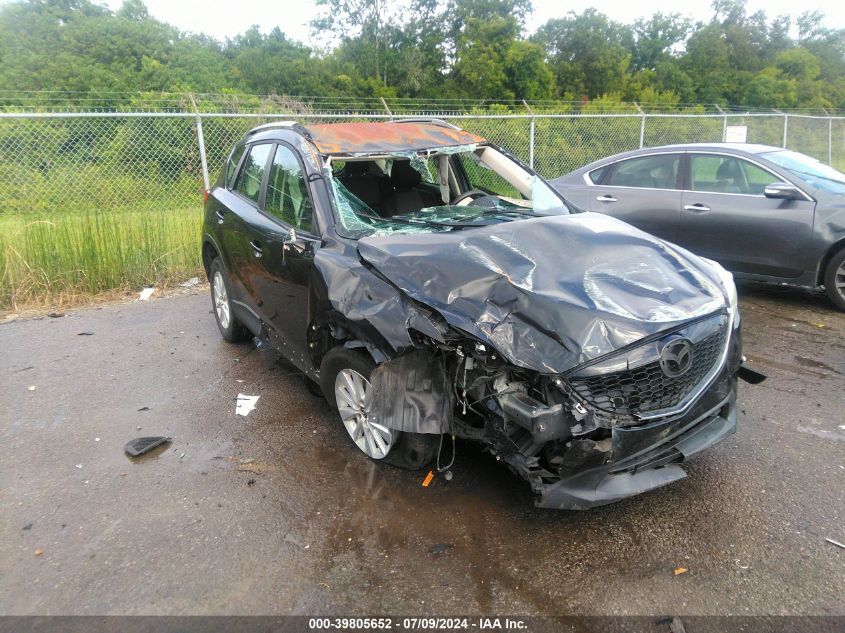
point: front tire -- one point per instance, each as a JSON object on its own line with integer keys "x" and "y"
{"x": 834, "y": 279}
{"x": 221, "y": 302}
{"x": 345, "y": 381}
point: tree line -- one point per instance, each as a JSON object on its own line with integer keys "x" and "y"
{"x": 431, "y": 49}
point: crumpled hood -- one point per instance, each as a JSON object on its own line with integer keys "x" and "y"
{"x": 550, "y": 293}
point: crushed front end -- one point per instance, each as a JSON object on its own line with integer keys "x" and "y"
{"x": 610, "y": 428}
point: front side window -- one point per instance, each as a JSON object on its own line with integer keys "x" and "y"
{"x": 252, "y": 171}
{"x": 648, "y": 172}
{"x": 287, "y": 191}
{"x": 728, "y": 174}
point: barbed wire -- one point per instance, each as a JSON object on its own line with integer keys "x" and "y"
{"x": 170, "y": 102}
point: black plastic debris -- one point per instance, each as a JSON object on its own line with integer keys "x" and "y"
{"x": 141, "y": 445}
{"x": 144, "y": 409}
{"x": 85, "y": 334}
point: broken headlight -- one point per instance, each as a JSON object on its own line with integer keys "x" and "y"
{"x": 726, "y": 280}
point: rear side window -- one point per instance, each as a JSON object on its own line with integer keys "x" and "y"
{"x": 232, "y": 166}
{"x": 287, "y": 192}
{"x": 252, "y": 171}
{"x": 597, "y": 174}
{"x": 649, "y": 172}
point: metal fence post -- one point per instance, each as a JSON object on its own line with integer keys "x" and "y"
{"x": 201, "y": 143}
{"x": 829, "y": 139}
{"x": 785, "y": 128}
{"x": 530, "y": 135}
{"x": 642, "y": 125}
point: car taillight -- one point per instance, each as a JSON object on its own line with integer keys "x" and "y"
{"x": 205, "y": 195}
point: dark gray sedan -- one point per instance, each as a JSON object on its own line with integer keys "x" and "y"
{"x": 762, "y": 212}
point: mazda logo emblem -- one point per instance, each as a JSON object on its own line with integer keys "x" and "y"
{"x": 676, "y": 357}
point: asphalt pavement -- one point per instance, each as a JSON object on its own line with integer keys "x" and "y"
{"x": 276, "y": 512}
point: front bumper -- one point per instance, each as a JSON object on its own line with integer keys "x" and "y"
{"x": 648, "y": 454}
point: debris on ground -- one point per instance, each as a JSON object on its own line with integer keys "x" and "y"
{"x": 245, "y": 404}
{"x": 680, "y": 570}
{"x": 837, "y": 543}
{"x": 439, "y": 548}
{"x": 79, "y": 465}
{"x": 55, "y": 315}
{"x": 428, "y": 478}
{"x": 146, "y": 293}
{"x": 141, "y": 445}
{"x": 38, "y": 551}
{"x": 85, "y": 334}
{"x": 677, "y": 626}
{"x": 741, "y": 566}
{"x": 31, "y": 388}
{"x": 17, "y": 371}
{"x": 193, "y": 281}
{"x": 250, "y": 482}
{"x": 144, "y": 409}
{"x": 28, "y": 526}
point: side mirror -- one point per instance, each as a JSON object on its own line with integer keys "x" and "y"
{"x": 783, "y": 191}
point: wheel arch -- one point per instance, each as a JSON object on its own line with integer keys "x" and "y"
{"x": 831, "y": 252}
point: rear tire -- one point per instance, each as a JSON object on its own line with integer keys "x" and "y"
{"x": 342, "y": 366}
{"x": 834, "y": 279}
{"x": 221, "y": 303}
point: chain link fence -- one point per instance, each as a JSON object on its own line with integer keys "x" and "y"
{"x": 133, "y": 182}
{"x": 75, "y": 161}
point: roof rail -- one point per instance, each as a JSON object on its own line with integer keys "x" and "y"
{"x": 290, "y": 125}
{"x": 432, "y": 120}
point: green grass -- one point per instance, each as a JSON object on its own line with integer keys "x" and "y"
{"x": 61, "y": 258}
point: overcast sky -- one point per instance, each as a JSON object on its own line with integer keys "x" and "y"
{"x": 224, "y": 18}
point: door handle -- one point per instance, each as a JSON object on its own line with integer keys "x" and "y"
{"x": 606, "y": 198}
{"x": 256, "y": 248}
{"x": 697, "y": 207}
{"x": 220, "y": 216}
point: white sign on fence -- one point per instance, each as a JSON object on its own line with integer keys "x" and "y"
{"x": 736, "y": 133}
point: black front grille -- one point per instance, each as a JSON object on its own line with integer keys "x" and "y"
{"x": 647, "y": 388}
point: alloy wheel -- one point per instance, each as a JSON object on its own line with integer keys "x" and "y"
{"x": 221, "y": 300}
{"x": 353, "y": 394}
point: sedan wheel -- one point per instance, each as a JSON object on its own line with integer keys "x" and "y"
{"x": 834, "y": 279}
{"x": 353, "y": 394}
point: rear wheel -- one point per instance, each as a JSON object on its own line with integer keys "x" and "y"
{"x": 345, "y": 380}
{"x": 834, "y": 279}
{"x": 230, "y": 328}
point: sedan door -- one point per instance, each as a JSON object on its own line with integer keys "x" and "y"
{"x": 727, "y": 217}
{"x": 643, "y": 191}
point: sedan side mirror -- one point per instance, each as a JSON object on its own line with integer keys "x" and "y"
{"x": 783, "y": 191}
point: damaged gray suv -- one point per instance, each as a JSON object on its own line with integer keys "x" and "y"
{"x": 433, "y": 287}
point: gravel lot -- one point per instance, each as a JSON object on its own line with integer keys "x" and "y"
{"x": 276, "y": 513}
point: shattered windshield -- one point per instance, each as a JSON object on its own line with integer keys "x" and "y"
{"x": 443, "y": 189}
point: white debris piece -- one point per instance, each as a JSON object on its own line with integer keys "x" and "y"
{"x": 245, "y": 404}
{"x": 193, "y": 281}
{"x": 146, "y": 293}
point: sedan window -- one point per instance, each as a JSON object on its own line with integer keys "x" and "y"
{"x": 729, "y": 174}
{"x": 648, "y": 172}
{"x": 252, "y": 171}
{"x": 287, "y": 192}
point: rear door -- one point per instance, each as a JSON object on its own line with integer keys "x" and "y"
{"x": 283, "y": 241}
{"x": 643, "y": 191}
{"x": 726, "y": 217}
{"x": 238, "y": 220}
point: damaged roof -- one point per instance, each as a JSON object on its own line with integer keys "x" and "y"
{"x": 386, "y": 137}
